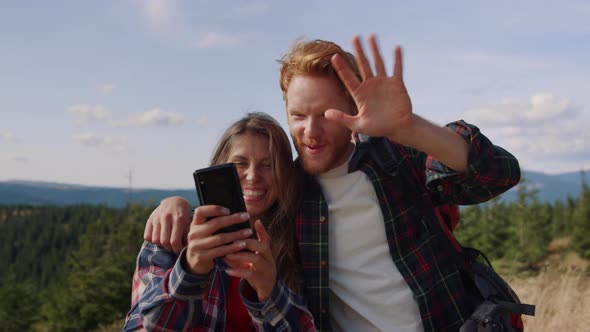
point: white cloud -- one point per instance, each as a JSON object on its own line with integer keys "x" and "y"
{"x": 217, "y": 40}
{"x": 538, "y": 109}
{"x": 89, "y": 113}
{"x": 544, "y": 127}
{"x": 7, "y": 136}
{"x": 90, "y": 139}
{"x": 106, "y": 89}
{"x": 155, "y": 117}
{"x": 553, "y": 141}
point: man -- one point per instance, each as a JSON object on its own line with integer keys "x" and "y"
{"x": 370, "y": 260}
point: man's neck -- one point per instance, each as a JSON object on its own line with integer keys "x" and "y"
{"x": 345, "y": 161}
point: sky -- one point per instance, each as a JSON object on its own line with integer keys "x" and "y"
{"x": 137, "y": 93}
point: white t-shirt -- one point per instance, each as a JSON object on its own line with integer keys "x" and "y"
{"x": 367, "y": 291}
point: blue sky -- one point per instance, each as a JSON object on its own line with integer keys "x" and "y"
{"x": 90, "y": 90}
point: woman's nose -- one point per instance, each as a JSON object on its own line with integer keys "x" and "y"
{"x": 251, "y": 173}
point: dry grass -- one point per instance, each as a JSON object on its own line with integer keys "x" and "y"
{"x": 115, "y": 326}
{"x": 561, "y": 292}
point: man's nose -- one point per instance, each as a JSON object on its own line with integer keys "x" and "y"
{"x": 312, "y": 128}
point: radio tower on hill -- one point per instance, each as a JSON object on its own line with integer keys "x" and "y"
{"x": 130, "y": 189}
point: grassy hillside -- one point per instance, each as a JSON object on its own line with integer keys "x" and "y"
{"x": 561, "y": 292}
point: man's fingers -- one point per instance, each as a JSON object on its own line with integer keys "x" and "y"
{"x": 344, "y": 119}
{"x": 347, "y": 76}
{"x": 379, "y": 65}
{"x": 156, "y": 234}
{"x": 176, "y": 238}
{"x": 165, "y": 232}
{"x": 398, "y": 67}
{"x": 361, "y": 59}
{"x": 147, "y": 233}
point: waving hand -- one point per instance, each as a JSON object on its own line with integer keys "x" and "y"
{"x": 384, "y": 106}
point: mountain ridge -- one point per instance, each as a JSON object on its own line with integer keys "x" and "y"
{"x": 550, "y": 189}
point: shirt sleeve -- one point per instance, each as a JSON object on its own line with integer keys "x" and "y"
{"x": 282, "y": 311}
{"x": 164, "y": 296}
{"x": 491, "y": 170}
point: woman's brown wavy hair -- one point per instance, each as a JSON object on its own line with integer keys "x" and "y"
{"x": 279, "y": 220}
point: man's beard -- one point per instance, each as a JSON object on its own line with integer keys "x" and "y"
{"x": 321, "y": 164}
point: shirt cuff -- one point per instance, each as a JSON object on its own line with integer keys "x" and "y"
{"x": 479, "y": 155}
{"x": 186, "y": 286}
{"x": 271, "y": 310}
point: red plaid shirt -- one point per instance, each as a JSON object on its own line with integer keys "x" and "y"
{"x": 166, "y": 298}
{"x": 401, "y": 177}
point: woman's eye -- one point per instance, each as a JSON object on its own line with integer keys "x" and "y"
{"x": 240, "y": 164}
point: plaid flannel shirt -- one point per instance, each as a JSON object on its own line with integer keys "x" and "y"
{"x": 167, "y": 298}
{"x": 402, "y": 177}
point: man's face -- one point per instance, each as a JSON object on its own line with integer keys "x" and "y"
{"x": 321, "y": 144}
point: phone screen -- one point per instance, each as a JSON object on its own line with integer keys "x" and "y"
{"x": 220, "y": 185}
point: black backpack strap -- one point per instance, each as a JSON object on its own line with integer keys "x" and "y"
{"x": 517, "y": 308}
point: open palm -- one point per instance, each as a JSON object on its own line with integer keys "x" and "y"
{"x": 384, "y": 106}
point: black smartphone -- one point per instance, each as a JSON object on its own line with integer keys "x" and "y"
{"x": 220, "y": 185}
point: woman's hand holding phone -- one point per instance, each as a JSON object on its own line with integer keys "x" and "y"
{"x": 204, "y": 245}
{"x": 256, "y": 264}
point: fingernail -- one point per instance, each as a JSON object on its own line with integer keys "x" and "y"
{"x": 247, "y": 232}
{"x": 241, "y": 244}
{"x": 245, "y": 216}
{"x": 225, "y": 210}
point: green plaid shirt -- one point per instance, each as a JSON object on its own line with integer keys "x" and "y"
{"x": 401, "y": 177}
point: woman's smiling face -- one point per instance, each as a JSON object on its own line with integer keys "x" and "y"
{"x": 250, "y": 153}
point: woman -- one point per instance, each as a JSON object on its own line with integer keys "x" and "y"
{"x": 190, "y": 291}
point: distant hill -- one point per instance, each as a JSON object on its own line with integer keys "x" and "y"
{"x": 551, "y": 188}
{"x": 47, "y": 193}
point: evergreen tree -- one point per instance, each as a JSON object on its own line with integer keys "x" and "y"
{"x": 97, "y": 287}
{"x": 581, "y": 220}
{"x": 485, "y": 227}
{"x": 530, "y": 226}
{"x": 19, "y": 305}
